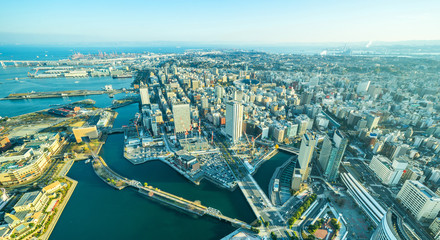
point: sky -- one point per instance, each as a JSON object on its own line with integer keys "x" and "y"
{"x": 215, "y": 21}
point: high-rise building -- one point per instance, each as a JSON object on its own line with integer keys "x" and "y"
{"x": 336, "y": 155}
{"x": 435, "y": 228}
{"x": 306, "y": 98}
{"x": 331, "y": 155}
{"x": 182, "y": 118}
{"x": 234, "y": 120}
{"x": 205, "y": 103}
{"x": 219, "y": 91}
{"x": 388, "y": 228}
{"x": 372, "y": 121}
{"x": 423, "y": 203}
{"x": 279, "y": 133}
{"x": 325, "y": 152}
{"x": 363, "y": 87}
{"x": 238, "y": 95}
{"x": 145, "y": 97}
{"x": 388, "y": 172}
{"x": 195, "y": 84}
{"x": 306, "y": 153}
{"x": 303, "y": 122}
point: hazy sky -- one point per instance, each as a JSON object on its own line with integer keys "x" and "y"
{"x": 219, "y": 21}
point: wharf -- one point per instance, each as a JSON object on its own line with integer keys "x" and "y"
{"x": 57, "y": 94}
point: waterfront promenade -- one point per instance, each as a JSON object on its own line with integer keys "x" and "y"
{"x": 60, "y": 208}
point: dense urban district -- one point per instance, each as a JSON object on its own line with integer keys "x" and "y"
{"x": 362, "y": 133}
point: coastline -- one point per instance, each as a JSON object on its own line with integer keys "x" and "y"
{"x": 69, "y": 193}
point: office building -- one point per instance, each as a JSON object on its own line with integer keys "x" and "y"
{"x": 435, "y": 228}
{"x": 372, "y": 121}
{"x": 145, "y": 97}
{"x": 325, "y": 152}
{"x": 337, "y": 153}
{"x": 303, "y": 122}
{"x": 363, "y": 87}
{"x": 219, "y": 91}
{"x": 389, "y": 228}
{"x": 423, "y": 203}
{"x": 234, "y": 120}
{"x": 306, "y": 153}
{"x": 306, "y": 98}
{"x": 388, "y": 172}
{"x": 182, "y": 118}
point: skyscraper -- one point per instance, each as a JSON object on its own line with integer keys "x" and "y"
{"x": 219, "y": 91}
{"x": 331, "y": 155}
{"x": 325, "y": 152}
{"x": 234, "y": 120}
{"x": 145, "y": 97}
{"x": 182, "y": 119}
{"x": 336, "y": 155}
{"x": 306, "y": 153}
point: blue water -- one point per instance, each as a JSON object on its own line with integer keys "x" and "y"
{"x": 24, "y": 84}
{"x": 97, "y": 211}
{"x": 42, "y": 53}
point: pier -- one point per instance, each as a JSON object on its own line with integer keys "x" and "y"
{"x": 119, "y": 182}
{"x": 58, "y": 94}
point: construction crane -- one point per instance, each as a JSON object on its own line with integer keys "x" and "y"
{"x": 136, "y": 124}
{"x": 247, "y": 138}
{"x": 200, "y": 131}
{"x": 253, "y": 140}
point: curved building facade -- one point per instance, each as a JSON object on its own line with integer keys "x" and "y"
{"x": 390, "y": 228}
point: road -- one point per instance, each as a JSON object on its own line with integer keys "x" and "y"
{"x": 386, "y": 197}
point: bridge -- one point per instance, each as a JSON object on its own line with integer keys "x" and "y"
{"x": 164, "y": 197}
{"x": 289, "y": 149}
{"x": 114, "y": 130}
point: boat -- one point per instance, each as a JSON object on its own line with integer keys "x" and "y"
{"x": 88, "y": 160}
{"x": 122, "y": 76}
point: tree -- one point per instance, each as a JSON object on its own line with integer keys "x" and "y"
{"x": 145, "y": 184}
{"x": 273, "y": 236}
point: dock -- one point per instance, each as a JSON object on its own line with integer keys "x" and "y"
{"x": 57, "y": 94}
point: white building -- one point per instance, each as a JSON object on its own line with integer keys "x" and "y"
{"x": 234, "y": 120}
{"x": 423, "y": 203}
{"x": 363, "y": 87}
{"x": 306, "y": 153}
{"x": 182, "y": 118}
{"x": 388, "y": 172}
{"x": 145, "y": 97}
